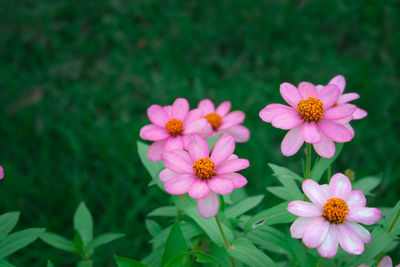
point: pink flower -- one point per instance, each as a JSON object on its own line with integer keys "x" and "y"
{"x": 223, "y": 121}
{"x": 385, "y": 262}
{"x": 202, "y": 175}
{"x": 1, "y": 173}
{"x": 311, "y": 118}
{"x": 172, "y": 127}
{"x": 333, "y": 217}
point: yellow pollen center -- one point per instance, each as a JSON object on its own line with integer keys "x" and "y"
{"x": 335, "y": 210}
{"x": 311, "y": 109}
{"x": 174, "y": 127}
{"x": 204, "y": 168}
{"x": 214, "y": 119}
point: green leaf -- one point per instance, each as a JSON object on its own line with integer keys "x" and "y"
{"x": 212, "y": 140}
{"x": 86, "y": 263}
{"x": 83, "y": 224}
{"x": 388, "y": 221}
{"x": 287, "y": 178}
{"x": 284, "y": 173}
{"x": 125, "y": 262}
{"x": 154, "y": 258}
{"x": 298, "y": 252}
{"x": 243, "y": 250}
{"x": 167, "y": 211}
{"x": 18, "y": 240}
{"x": 59, "y": 242}
{"x": 179, "y": 260}
{"x": 153, "y": 168}
{"x": 203, "y": 257}
{"x": 50, "y": 264}
{"x": 4, "y": 263}
{"x": 175, "y": 244}
{"x": 7, "y": 223}
{"x": 280, "y": 192}
{"x": 189, "y": 230}
{"x": 103, "y": 239}
{"x": 274, "y": 215}
{"x": 221, "y": 254}
{"x": 269, "y": 238}
{"x": 367, "y": 184}
{"x": 322, "y": 164}
{"x": 153, "y": 227}
{"x": 243, "y": 206}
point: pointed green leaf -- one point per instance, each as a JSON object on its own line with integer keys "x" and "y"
{"x": 288, "y": 179}
{"x": 322, "y": 164}
{"x": 7, "y": 223}
{"x": 153, "y": 227}
{"x": 18, "y": 240}
{"x": 280, "y": 192}
{"x": 269, "y": 238}
{"x": 167, "y": 211}
{"x": 50, "y": 264}
{"x": 4, "y": 263}
{"x": 125, "y": 262}
{"x": 243, "y": 206}
{"x": 83, "y": 223}
{"x": 85, "y": 263}
{"x": 175, "y": 244}
{"x": 367, "y": 184}
{"x": 243, "y": 250}
{"x": 153, "y": 168}
{"x": 389, "y": 222}
{"x": 103, "y": 239}
{"x": 203, "y": 257}
{"x": 59, "y": 242}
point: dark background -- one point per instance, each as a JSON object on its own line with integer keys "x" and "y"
{"x": 76, "y": 78}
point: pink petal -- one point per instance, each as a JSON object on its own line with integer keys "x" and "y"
{"x": 319, "y": 87}
{"x": 232, "y": 119}
{"x": 198, "y": 147}
{"x": 184, "y": 155}
{"x": 326, "y": 148}
{"x": 208, "y": 206}
{"x": 207, "y": 106}
{"x": 348, "y": 126}
{"x": 301, "y": 84}
{"x": 386, "y": 262}
{"x": 308, "y": 91}
{"x": 356, "y": 199}
{"x": 223, "y": 108}
{"x": 272, "y": 110}
{"x": 167, "y": 174}
{"x": 359, "y": 114}
{"x": 292, "y": 142}
{"x": 193, "y": 115}
{"x": 1, "y": 173}
{"x": 364, "y": 215}
{"x": 345, "y": 98}
{"x": 157, "y": 115}
{"x": 339, "y": 81}
{"x": 199, "y": 189}
{"x": 168, "y": 110}
{"x": 362, "y": 233}
{"x": 232, "y": 165}
{"x": 287, "y": 120}
{"x": 176, "y": 163}
{"x": 233, "y": 156}
{"x": 223, "y": 149}
{"x": 299, "y": 225}
{"x": 329, "y": 95}
{"x": 239, "y": 132}
{"x": 304, "y": 209}
{"x": 237, "y": 179}
{"x": 329, "y": 245}
{"x": 339, "y": 112}
{"x": 325, "y": 188}
{"x": 179, "y": 185}
{"x": 200, "y": 126}
{"x": 340, "y": 186}
{"x": 155, "y": 151}
{"x": 174, "y": 143}
{"x": 314, "y": 192}
{"x": 180, "y": 109}
{"x": 153, "y": 133}
{"x": 290, "y": 94}
{"x": 334, "y": 131}
{"x": 349, "y": 240}
{"x": 220, "y": 185}
{"x": 311, "y": 133}
{"x": 345, "y": 120}
{"x": 316, "y": 232}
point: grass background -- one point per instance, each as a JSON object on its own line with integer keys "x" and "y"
{"x": 76, "y": 78}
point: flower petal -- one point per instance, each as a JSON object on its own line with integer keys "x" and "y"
{"x": 301, "y": 84}
{"x": 339, "y": 112}
{"x": 359, "y": 114}
{"x": 356, "y": 199}
{"x": 199, "y": 189}
{"x": 168, "y": 110}
{"x": 329, "y": 245}
{"x": 311, "y": 133}
{"x": 155, "y": 151}
{"x": 335, "y": 131}
{"x": 176, "y": 163}
{"x": 232, "y": 165}
{"x": 292, "y": 142}
{"x": 348, "y": 126}
{"x": 232, "y": 119}
{"x": 326, "y": 148}
{"x": 239, "y": 132}
{"x": 364, "y": 215}
{"x": 180, "y": 109}
{"x": 167, "y": 174}
{"x": 386, "y": 262}
{"x": 207, "y": 106}
{"x": 223, "y": 149}
{"x": 174, "y": 143}
{"x": 1, "y": 173}
{"x": 198, "y": 147}
{"x": 349, "y": 240}
{"x": 223, "y": 108}
{"x": 314, "y": 192}
{"x": 272, "y": 110}
{"x": 208, "y": 206}
{"x": 220, "y": 185}
{"x": 157, "y": 115}
{"x": 328, "y": 95}
{"x": 339, "y": 81}
{"x": 153, "y": 133}
{"x": 362, "y": 233}
{"x": 308, "y": 90}
{"x": 179, "y": 185}
{"x": 299, "y": 225}
{"x": 290, "y": 94}
{"x": 287, "y": 120}
{"x": 316, "y": 232}
{"x": 193, "y": 115}
{"x": 200, "y": 126}
{"x": 237, "y": 179}
{"x": 345, "y": 98}
{"x": 304, "y": 209}
{"x": 340, "y": 186}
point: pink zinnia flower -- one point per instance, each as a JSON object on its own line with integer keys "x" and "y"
{"x": 333, "y": 217}
{"x": 202, "y": 175}
{"x": 385, "y": 262}
{"x": 223, "y": 121}
{"x": 1, "y": 173}
{"x": 172, "y": 126}
{"x": 311, "y": 118}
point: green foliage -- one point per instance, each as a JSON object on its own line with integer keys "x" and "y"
{"x": 367, "y": 184}
{"x": 322, "y": 164}
{"x": 243, "y": 250}
{"x": 83, "y": 223}
{"x": 125, "y": 262}
{"x": 390, "y": 223}
{"x": 153, "y": 168}
{"x": 18, "y": 240}
{"x": 288, "y": 179}
{"x": 175, "y": 245}
{"x": 243, "y": 206}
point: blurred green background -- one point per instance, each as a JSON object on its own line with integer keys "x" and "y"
{"x": 76, "y": 78}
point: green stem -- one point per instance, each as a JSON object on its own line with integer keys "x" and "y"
{"x": 224, "y": 237}
{"x": 319, "y": 263}
{"x": 380, "y": 256}
{"x": 329, "y": 173}
{"x": 308, "y": 161}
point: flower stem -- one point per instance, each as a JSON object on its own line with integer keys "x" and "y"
{"x": 224, "y": 237}
{"x": 308, "y": 161}
{"x": 329, "y": 173}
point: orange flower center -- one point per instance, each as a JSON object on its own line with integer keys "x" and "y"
{"x": 311, "y": 109}
{"x": 174, "y": 127}
{"x": 204, "y": 168}
{"x": 335, "y": 210}
{"x": 214, "y": 119}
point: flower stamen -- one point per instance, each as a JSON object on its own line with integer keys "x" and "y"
{"x": 204, "y": 168}
{"x": 214, "y": 119}
{"x": 174, "y": 127}
{"x": 311, "y": 109}
{"x": 335, "y": 210}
